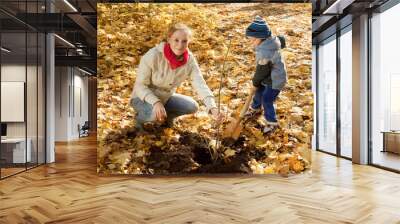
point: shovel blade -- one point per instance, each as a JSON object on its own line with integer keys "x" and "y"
{"x": 233, "y": 129}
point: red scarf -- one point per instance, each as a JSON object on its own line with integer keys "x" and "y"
{"x": 173, "y": 61}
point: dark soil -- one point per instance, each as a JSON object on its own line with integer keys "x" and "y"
{"x": 191, "y": 154}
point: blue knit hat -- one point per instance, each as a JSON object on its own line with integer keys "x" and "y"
{"x": 258, "y": 29}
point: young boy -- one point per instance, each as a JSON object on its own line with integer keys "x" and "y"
{"x": 270, "y": 76}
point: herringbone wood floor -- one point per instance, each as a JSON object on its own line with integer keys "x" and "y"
{"x": 70, "y": 191}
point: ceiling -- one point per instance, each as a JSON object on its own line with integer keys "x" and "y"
{"x": 330, "y": 15}
{"x": 74, "y": 21}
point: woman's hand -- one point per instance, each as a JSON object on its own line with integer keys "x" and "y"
{"x": 159, "y": 111}
{"x": 218, "y": 117}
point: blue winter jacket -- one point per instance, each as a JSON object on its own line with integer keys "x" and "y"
{"x": 271, "y": 69}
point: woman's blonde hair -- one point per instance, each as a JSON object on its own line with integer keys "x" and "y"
{"x": 178, "y": 26}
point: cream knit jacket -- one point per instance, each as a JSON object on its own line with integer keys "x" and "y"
{"x": 156, "y": 81}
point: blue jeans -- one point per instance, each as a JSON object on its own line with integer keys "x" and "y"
{"x": 177, "y": 105}
{"x": 265, "y": 96}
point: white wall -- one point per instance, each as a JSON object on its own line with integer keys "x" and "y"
{"x": 34, "y": 124}
{"x": 11, "y": 73}
{"x": 80, "y": 84}
{"x": 62, "y": 81}
{"x": 70, "y": 83}
{"x": 14, "y": 73}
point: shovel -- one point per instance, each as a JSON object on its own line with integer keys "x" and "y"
{"x": 234, "y": 128}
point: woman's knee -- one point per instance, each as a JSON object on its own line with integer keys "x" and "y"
{"x": 181, "y": 104}
{"x": 144, "y": 111}
{"x": 191, "y": 107}
{"x": 194, "y": 107}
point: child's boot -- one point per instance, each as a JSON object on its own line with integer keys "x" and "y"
{"x": 270, "y": 126}
{"x": 251, "y": 112}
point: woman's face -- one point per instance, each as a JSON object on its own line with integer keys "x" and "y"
{"x": 179, "y": 42}
{"x": 255, "y": 41}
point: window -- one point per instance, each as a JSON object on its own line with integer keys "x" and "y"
{"x": 385, "y": 87}
{"x": 327, "y": 95}
{"x": 346, "y": 75}
{"x": 22, "y": 75}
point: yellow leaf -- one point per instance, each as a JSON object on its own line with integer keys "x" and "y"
{"x": 269, "y": 170}
{"x": 229, "y": 153}
{"x": 159, "y": 143}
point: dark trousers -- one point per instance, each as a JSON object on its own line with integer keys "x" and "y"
{"x": 176, "y": 106}
{"x": 265, "y": 96}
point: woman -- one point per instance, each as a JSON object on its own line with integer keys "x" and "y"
{"x": 161, "y": 70}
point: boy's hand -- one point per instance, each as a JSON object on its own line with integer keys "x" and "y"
{"x": 256, "y": 85}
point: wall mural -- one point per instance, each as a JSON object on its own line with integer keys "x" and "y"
{"x": 204, "y": 88}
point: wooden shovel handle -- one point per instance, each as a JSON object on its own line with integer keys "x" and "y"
{"x": 247, "y": 104}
